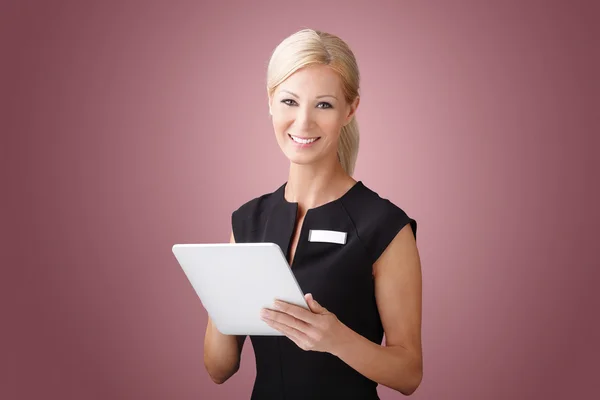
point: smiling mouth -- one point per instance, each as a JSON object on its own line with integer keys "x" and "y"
{"x": 303, "y": 140}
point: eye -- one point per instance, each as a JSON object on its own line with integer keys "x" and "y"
{"x": 291, "y": 102}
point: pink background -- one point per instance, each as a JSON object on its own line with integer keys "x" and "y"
{"x": 129, "y": 127}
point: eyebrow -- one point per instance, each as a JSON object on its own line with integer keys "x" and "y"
{"x": 318, "y": 97}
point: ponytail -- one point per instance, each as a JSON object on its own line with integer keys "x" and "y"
{"x": 348, "y": 146}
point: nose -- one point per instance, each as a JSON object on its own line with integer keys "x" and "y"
{"x": 304, "y": 117}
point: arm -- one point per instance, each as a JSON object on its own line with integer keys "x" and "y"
{"x": 398, "y": 289}
{"x": 221, "y": 352}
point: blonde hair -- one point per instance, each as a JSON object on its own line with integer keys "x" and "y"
{"x": 307, "y": 47}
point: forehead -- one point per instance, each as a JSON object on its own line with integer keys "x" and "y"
{"x": 313, "y": 80}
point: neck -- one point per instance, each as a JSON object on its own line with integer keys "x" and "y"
{"x": 313, "y": 185}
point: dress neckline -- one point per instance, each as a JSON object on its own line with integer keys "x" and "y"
{"x": 324, "y": 205}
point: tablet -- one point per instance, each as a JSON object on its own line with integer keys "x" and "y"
{"x": 234, "y": 281}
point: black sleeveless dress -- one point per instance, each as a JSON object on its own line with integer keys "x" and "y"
{"x": 339, "y": 275}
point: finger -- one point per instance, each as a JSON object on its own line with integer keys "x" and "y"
{"x": 285, "y": 318}
{"x": 315, "y": 307}
{"x": 297, "y": 312}
{"x": 295, "y": 335}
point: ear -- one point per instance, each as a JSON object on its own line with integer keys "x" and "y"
{"x": 270, "y": 105}
{"x": 353, "y": 108}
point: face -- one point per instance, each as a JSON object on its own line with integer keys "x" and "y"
{"x": 308, "y": 111}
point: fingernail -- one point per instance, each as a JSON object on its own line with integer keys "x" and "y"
{"x": 264, "y": 313}
{"x": 277, "y": 305}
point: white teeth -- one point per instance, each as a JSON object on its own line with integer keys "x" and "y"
{"x": 303, "y": 141}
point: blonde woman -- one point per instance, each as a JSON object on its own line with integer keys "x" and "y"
{"x": 353, "y": 252}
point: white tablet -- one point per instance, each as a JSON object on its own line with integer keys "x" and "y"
{"x": 234, "y": 281}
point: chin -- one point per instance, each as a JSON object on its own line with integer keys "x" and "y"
{"x": 300, "y": 159}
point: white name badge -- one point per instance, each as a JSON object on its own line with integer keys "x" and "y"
{"x": 317, "y": 235}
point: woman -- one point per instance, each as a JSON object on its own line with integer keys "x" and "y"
{"x": 353, "y": 252}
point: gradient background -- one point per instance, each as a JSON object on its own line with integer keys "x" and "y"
{"x": 130, "y": 126}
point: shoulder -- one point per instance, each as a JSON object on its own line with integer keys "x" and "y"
{"x": 377, "y": 219}
{"x": 253, "y": 213}
{"x": 366, "y": 208}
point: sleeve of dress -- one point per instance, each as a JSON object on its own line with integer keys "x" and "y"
{"x": 246, "y": 219}
{"x": 383, "y": 227}
{"x": 236, "y": 226}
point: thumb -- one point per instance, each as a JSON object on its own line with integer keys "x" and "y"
{"x": 314, "y": 306}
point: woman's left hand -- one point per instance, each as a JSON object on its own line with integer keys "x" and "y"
{"x": 316, "y": 330}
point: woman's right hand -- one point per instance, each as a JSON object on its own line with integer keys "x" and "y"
{"x": 222, "y": 352}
